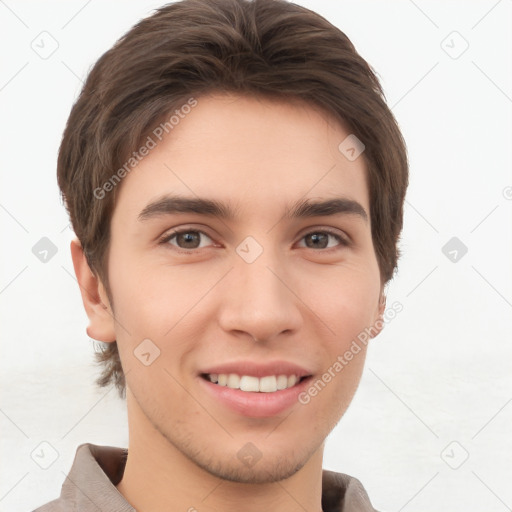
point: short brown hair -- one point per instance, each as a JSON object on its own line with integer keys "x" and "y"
{"x": 264, "y": 48}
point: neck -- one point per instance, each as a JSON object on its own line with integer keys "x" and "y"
{"x": 158, "y": 476}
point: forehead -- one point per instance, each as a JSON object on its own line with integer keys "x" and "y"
{"x": 257, "y": 154}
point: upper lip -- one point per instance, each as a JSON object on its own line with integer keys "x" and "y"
{"x": 258, "y": 369}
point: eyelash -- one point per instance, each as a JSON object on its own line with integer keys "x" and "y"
{"x": 343, "y": 242}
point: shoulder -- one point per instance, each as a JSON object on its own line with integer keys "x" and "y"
{"x": 90, "y": 483}
{"x": 341, "y": 492}
{"x": 53, "y": 506}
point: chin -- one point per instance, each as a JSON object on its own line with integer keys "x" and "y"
{"x": 262, "y": 472}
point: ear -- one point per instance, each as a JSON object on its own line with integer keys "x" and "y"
{"x": 94, "y": 296}
{"x": 378, "y": 324}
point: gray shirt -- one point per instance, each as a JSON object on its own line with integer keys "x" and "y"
{"x": 91, "y": 485}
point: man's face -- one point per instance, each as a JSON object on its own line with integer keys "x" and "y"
{"x": 265, "y": 287}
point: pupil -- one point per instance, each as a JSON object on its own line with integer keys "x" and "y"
{"x": 190, "y": 239}
{"x": 319, "y": 240}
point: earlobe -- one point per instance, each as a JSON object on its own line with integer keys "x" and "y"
{"x": 95, "y": 300}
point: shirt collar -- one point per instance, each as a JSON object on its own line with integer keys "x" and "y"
{"x": 91, "y": 485}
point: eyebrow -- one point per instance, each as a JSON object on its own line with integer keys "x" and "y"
{"x": 172, "y": 204}
{"x": 338, "y": 205}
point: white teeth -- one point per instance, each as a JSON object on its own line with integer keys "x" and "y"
{"x": 292, "y": 380}
{"x": 233, "y": 381}
{"x": 267, "y": 384}
{"x": 282, "y": 382}
{"x": 249, "y": 383}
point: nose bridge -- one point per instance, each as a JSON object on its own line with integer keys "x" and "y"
{"x": 257, "y": 299}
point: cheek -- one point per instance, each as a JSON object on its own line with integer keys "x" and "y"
{"x": 156, "y": 303}
{"x": 344, "y": 300}
{"x": 143, "y": 294}
{"x": 349, "y": 307}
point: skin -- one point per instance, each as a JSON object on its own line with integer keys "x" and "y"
{"x": 303, "y": 303}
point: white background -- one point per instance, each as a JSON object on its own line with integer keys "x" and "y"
{"x": 439, "y": 373}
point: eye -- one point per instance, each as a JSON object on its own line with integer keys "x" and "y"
{"x": 323, "y": 240}
{"x": 187, "y": 239}
{"x": 194, "y": 239}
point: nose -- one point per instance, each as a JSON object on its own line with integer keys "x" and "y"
{"x": 259, "y": 300}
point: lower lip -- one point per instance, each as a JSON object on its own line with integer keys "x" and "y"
{"x": 256, "y": 404}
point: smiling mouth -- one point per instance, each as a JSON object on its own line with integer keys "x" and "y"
{"x": 252, "y": 384}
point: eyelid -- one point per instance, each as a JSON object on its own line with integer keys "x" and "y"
{"x": 168, "y": 235}
{"x": 343, "y": 239}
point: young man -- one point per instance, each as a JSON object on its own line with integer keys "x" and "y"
{"x": 236, "y": 182}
